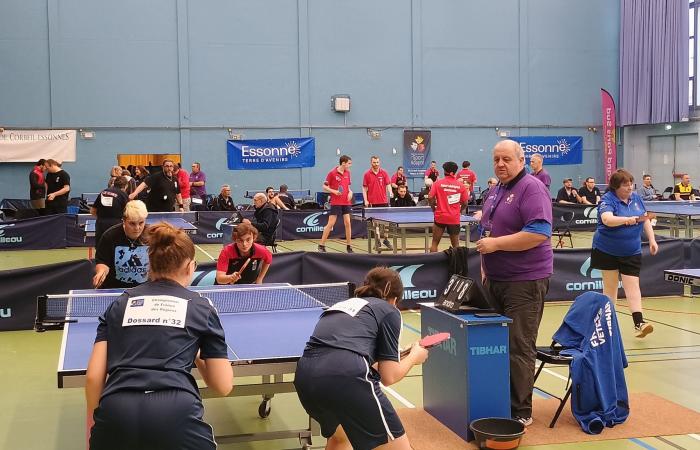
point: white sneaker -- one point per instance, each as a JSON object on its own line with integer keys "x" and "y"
{"x": 526, "y": 421}
{"x": 643, "y": 329}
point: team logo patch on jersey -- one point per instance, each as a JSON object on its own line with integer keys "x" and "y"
{"x": 510, "y": 198}
{"x": 136, "y": 302}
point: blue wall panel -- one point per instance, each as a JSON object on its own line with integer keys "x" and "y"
{"x": 164, "y": 76}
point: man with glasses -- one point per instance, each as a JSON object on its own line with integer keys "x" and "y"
{"x": 589, "y": 193}
{"x": 164, "y": 194}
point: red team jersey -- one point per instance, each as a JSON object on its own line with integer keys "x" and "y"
{"x": 376, "y": 184}
{"x": 340, "y": 182}
{"x": 231, "y": 261}
{"x": 468, "y": 175}
{"x": 449, "y": 194}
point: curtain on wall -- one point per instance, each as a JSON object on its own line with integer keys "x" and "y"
{"x": 653, "y": 61}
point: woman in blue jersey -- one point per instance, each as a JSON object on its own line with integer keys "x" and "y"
{"x": 354, "y": 347}
{"x": 617, "y": 244}
{"x": 147, "y": 342}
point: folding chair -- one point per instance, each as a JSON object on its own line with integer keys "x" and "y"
{"x": 551, "y": 355}
{"x": 562, "y": 229}
{"x": 272, "y": 242}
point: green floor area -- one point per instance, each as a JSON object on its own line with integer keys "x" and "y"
{"x": 38, "y": 415}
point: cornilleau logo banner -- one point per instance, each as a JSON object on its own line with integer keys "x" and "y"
{"x": 585, "y": 217}
{"x": 410, "y": 290}
{"x": 37, "y": 233}
{"x": 271, "y": 153}
{"x": 554, "y": 149}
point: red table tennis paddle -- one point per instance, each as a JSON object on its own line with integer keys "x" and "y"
{"x": 428, "y": 342}
{"x": 647, "y": 216}
{"x": 245, "y": 264}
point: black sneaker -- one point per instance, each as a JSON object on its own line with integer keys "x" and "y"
{"x": 526, "y": 421}
{"x": 349, "y": 249}
{"x": 322, "y": 248}
{"x": 387, "y": 244}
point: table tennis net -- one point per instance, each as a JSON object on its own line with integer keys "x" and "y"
{"x": 58, "y": 308}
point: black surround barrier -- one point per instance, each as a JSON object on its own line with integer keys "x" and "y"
{"x": 423, "y": 275}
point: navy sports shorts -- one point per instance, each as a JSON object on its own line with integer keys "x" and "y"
{"x": 452, "y": 229}
{"x": 155, "y": 420}
{"x": 627, "y": 265}
{"x": 340, "y": 210}
{"x": 338, "y": 387}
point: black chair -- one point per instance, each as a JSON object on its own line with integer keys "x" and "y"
{"x": 666, "y": 194}
{"x": 562, "y": 229}
{"x": 273, "y": 241}
{"x": 551, "y": 355}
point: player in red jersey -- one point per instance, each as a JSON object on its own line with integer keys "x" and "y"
{"x": 446, "y": 198}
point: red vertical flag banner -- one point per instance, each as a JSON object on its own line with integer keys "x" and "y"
{"x": 609, "y": 134}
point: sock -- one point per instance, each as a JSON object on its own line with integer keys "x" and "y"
{"x": 637, "y": 318}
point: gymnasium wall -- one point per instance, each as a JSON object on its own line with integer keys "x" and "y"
{"x": 170, "y": 76}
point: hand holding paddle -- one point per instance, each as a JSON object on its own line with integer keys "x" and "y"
{"x": 235, "y": 276}
{"x": 428, "y": 342}
{"x": 645, "y": 217}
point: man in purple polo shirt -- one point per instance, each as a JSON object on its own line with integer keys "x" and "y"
{"x": 516, "y": 263}
{"x": 538, "y": 171}
{"x": 198, "y": 190}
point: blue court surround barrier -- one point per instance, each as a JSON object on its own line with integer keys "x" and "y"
{"x": 422, "y": 274}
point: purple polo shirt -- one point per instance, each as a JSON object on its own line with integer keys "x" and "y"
{"x": 507, "y": 209}
{"x": 199, "y": 191}
{"x": 544, "y": 177}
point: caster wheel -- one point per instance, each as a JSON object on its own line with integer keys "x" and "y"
{"x": 264, "y": 408}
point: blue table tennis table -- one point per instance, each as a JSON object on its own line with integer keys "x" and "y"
{"x": 178, "y": 222}
{"x": 398, "y": 222}
{"x": 299, "y": 195}
{"x": 677, "y": 214}
{"x": 689, "y": 278}
{"x": 266, "y": 327}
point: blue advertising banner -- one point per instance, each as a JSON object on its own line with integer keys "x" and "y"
{"x": 554, "y": 149}
{"x": 271, "y": 153}
{"x": 416, "y": 152}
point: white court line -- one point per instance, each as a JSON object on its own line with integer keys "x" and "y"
{"x": 205, "y": 252}
{"x": 695, "y": 436}
{"x": 553, "y": 373}
{"x": 397, "y": 396}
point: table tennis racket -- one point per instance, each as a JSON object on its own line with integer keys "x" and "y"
{"x": 647, "y": 216}
{"x": 245, "y": 264}
{"x": 428, "y": 342}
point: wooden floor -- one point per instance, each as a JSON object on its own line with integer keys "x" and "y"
{"x": 37, "y": 415}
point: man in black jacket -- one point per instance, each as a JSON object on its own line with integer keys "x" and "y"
{"x": 264, "y": 219}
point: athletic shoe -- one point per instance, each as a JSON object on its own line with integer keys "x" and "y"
{"x": 349, "y": 249}
{"x": 387, "y": 244}
{"x": 322, "y": 248}
{"x": 526, "y": 421}
{"x": 643, "y": 329}
{"x": 377, "y": 245}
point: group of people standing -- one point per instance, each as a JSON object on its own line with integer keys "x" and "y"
{"x": 49, "y": 186}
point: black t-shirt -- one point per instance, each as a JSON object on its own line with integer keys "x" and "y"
{"x": 287, "y": 200}
{"x": 372, "y": 333}
{"x": 589, "y": 195}
{"x": 127, "y": 259}
{"x": 110, "y": 203}
{"x": 222, "y": 203}
{"x": 562, "y": 195}
{"x": 55, "y": 182}
{"x": 163, "y": 192}
{"x": 406, "y": 200}
{"x": 155, "y": 350}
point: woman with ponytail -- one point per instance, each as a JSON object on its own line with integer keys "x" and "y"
{"x": 354, "y": 347}
{"x": 147, "y": 341}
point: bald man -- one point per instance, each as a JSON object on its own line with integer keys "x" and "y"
{"x": 539, "y": 172}
{"x": 516, "y": 262}
{"x": 264, "y": 219}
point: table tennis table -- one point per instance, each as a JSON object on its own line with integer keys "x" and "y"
{"x": 688, "y": 277}
{"x": 398, "y": 222}
{"x": 298, "y": 194}
{"x": 266, "y": 328}
{"x": 677, "y": 214}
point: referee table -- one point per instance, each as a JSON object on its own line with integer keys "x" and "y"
{"x": 679, "y": 215}
{"x": 300, "y": 195}
{"x": 399, "y": 222}
{"x": 689, "y": 278}
{"x": 266, "y": 328}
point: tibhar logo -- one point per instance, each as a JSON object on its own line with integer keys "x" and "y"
{"x": 291, "y": 150}
{"x": 410, "y": 291}
{"x": 312, "y": 223}
{"x": 488, "y": 350}
{"x": 219, "y": 224}
{"x": 595, "y": 284}
{"x": 5, "y": 313}
{"x": 449, "y": 346}
{"x": 8, "y": 239}
{"x": 591, "y": 216}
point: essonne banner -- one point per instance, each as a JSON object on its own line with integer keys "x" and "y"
{"x": 282, "y": 153}
{"x": 554, "y": 149}
{"x": 32, "y": 145}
